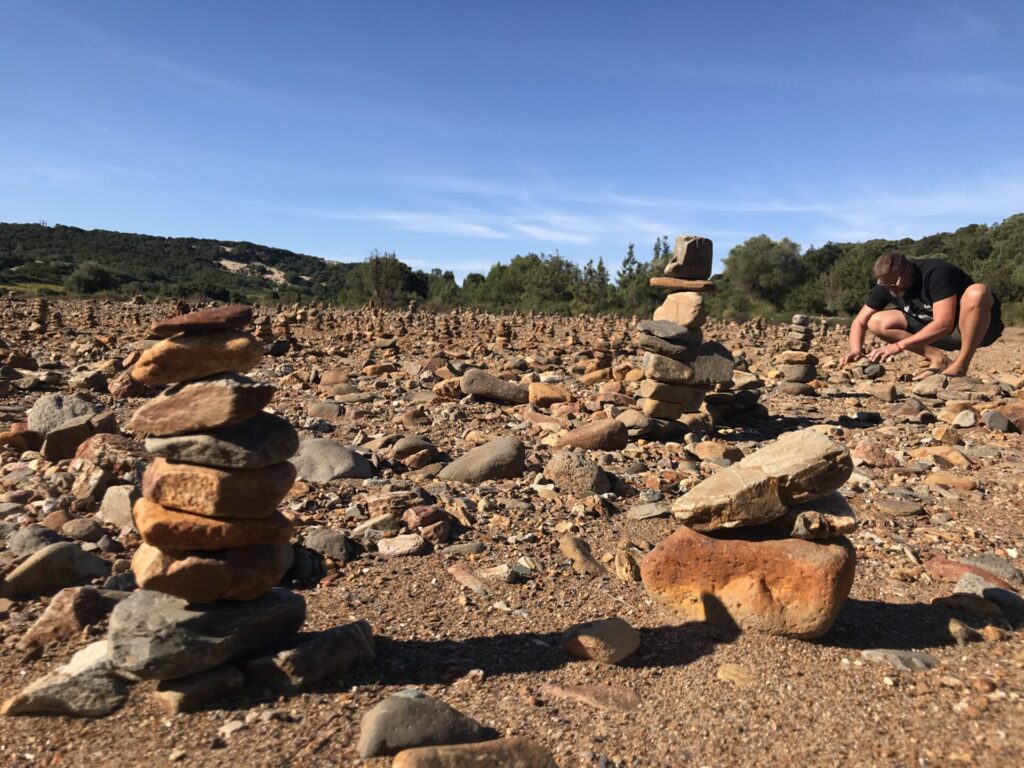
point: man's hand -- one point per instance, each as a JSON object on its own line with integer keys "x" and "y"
{"x": 887, "y": 352}
{"x": 850, "y": 357}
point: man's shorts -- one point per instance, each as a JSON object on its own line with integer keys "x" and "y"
{"x": 951, "y": 342}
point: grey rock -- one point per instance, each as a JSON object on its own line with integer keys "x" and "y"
{"x": 574, "y": 473}
{"x": 83, "y": 529}
{"x": 156, "y": 636}
{"x": 691, "y": 258}
{"x": 50, "y": 411}
{"x": 489, "y": 387}
{"x": 672, "y": 332}
{"x": 187, "y": 694}
{"x": 53, "y": 567}
{"x": 31, "y": 538}
{"x": 11, "y": 508}
{"x": 712, "y": 365}
{"x": 504, "y": 457}
{"x": 648, "y": 511}
{"x": 996, "y": 422}
{"x": 331, "y": 543}
{"x": 665, "y": 369}
{"x": 798, "y": 373}
{"x": 87, "y": 686}
{"x": 659, "y": 346}
{"x": 116, "y": 507}
{"x": 911, "y": 661}
{"x": 997, "y": 566}
{"x": 259, "y": 442}
{"x": 402, "y": 722}
{"x": 311, "y": 658}
{"x": 320, "y": 460}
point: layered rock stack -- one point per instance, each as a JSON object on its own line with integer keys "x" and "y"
{"x": 208, "y": 513}
{"x": 679, "y": 368}
{"x": 797, "y": 365}
{"x": 762, "y": 545}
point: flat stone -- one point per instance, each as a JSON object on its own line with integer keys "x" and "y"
{"x": 607, "y": 640}
{"x": 238, "y": 493}
{"x": 192, "y": 356}
{"x": 231, "y": 317}
{"x": 785, "y": 586}
{"x": 794, "y": 357}
{"x": 658, "y": 409}
{"x": 320, "y": 460}
{"x": 733, "y": 496}
{"x": 50, "y": 411}
{"x": 672, "y": 332}
{"x": 220, "y": 401}
{"x": 504, "y": 457}
{"x": 542, "y": 395}
{"x": 87, "y": 686}
{"x": 691, "y": 258}
{"x": 667, "y": 370}
{"x": 254, "y": 444}
{"x": 400, "y": 722}
{"x": 691, "y": 397}
{"x": 795, "y": 388}
{"x": 679, "y": 284}
{"x": 647, "y": 511}
{"x": 312, "y": 658}
{"x": 511, "y": 752}
{"x": 603, "y": 435}
{"x": 658, "y": 346}
{"x": 683, "y": 309}
{"x": 909, "y": 661}
{"x": 187, "y": 694}
{"x": 807, "y": 464}
{"x": 160, "y": 637}
{"x": 487, "y": 386}
{"x": 574, "y": 473}
{"x": 55, "y": 566}
{"x": 403, "y": 545}
{"x": 612, "y": 698}
{"x": 174, "y": 530}
{"x": 245, "y": 573}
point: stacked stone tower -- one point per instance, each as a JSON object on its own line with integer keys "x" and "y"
{"x": 679, "y": 368}
{"x": 208, "y": 514}
{"x": 797, "y": 365}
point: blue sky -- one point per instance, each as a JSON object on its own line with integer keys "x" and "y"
{"x": 458, "y": 134}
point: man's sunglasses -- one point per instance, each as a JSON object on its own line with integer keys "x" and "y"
{"x": 897, "y": 284}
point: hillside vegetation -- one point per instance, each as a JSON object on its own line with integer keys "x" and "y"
{"x": 760, "y": 277}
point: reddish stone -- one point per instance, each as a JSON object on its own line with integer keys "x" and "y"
{"x": 941, "y": 567}
{"x": 231, "y": 317}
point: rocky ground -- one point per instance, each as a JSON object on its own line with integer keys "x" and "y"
{"x": 938, "y": 486}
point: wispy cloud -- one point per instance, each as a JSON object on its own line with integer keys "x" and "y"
{"x": 419, "y": 221}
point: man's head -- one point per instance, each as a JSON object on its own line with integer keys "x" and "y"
{"x": 892, "y": 271}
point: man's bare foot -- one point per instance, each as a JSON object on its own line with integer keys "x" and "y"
{"x": 954, "y": 370}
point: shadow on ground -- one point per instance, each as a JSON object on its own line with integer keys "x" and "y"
{"x": 428, "y": 662}
{"x": 864, "y": 624}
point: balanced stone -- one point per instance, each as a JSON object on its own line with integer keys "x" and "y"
{"x": 174, "y": 530}
{"x": 799, "y": 467}
{"x": 657, "y": 409}
{"x": 824, "y": 518}
{"x": 678, "y": 284}
{"x": 665, "y": 369}
{"x": 799, "y": 373}
{"x": 659, "y": 346}
{"x": 691, "y": 397}
{"x": 232, "y": 317}
{"x": 794, "y": 357}
{"x": 787, "y": 587}
{"x": 673, "y": 332}
{"x": 205, "y": 577}
{"x": 683, "y": 309}
{"x": 220, "y": 401}
{"x": 259, "y": 442}
{"x": 197, "y": 355}
{"x": 246, "y": 493}
{"x": 712, "y": 365}
{"x": 691, "y": 258}
{"x": 159, "y": 637}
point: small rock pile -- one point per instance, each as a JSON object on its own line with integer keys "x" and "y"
{"x": 762, "y": 545}
{"x": 797, "y": 365}
{"x": 679, "y": 368}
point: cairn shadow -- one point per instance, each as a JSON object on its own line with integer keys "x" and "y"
{"x": 767, "y": 428}
{"x": 430, "y": 662}
{"x": 866, "y": 624}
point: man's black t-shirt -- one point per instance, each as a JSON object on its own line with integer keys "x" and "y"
{"x": 933, "y": 280}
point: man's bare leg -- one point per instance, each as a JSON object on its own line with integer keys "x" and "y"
{"x": 891, "y": 326}
{"x": 975, "y": 317}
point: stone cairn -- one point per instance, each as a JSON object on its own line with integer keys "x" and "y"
{"x": 797, "y": 365}
{"x": 679, "y": 368}
{"x": 762, "y": 544}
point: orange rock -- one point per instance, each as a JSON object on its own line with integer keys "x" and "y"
{"x": 782, "y": 586}
{"x": 170, "y": 529}
{"x": 195, "y": 356}
{"x": 949, "y": 480}
{"x": 543, "y": 395}
{"x": 214, "y": 492}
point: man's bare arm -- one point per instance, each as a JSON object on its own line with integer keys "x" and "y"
{"x": 858, "y": 329}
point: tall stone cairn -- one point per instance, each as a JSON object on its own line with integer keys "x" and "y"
{"x": 208, "y": 513}
{"x": 796, "y": 364}
{"x": 679, "y": 366}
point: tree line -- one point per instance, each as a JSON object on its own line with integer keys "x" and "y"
{"x": 760, "y": 277}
